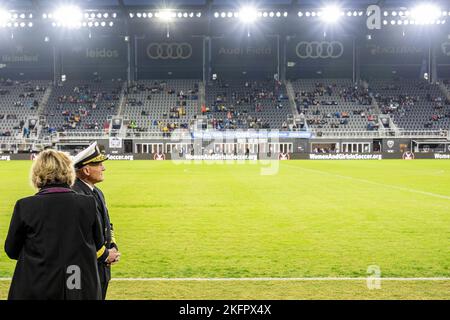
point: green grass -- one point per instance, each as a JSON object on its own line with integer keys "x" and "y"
{"x": 310, "y": 219}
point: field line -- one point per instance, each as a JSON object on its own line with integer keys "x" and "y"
{"x": 436, "y": 195}
{"x": 280, "y": 279}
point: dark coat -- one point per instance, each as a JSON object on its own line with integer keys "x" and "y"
{"x": 103, "y": 215}
{"x": 50, "y": 233}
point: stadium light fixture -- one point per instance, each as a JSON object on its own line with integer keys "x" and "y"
{"x": 68, "y": 16}
{"x": 166, "y": 15}
{"x": 426, "y": 13}
{"x": 331, "y": 14}
{"x": 248, "y": 14}
{"x": 5, "y": 16}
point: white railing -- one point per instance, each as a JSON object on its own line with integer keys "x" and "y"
{"x": 82, "y": 135}
{"x": 318, "y": 134}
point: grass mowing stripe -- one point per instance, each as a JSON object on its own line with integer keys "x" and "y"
{"x": 284, "y": 279}
{"x": 373, "y": 182}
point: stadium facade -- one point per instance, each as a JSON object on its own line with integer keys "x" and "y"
{"x": 213, "y": 80}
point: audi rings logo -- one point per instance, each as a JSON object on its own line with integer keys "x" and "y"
{"x": 319, "y": 49}
{"x": 172, "y": 50}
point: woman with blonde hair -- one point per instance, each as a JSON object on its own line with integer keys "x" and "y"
{"x": 54, "y": 235}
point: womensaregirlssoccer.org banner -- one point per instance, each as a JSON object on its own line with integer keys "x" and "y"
{"x": 342, "y": 156}
{"x": 221, "y": 157}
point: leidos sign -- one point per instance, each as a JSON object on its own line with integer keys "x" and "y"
{"x": 101, "y": 53}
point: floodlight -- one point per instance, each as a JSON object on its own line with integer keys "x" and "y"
{"x": 166, "y": 15}
{"x": 248, "y": 14}
{"x": 425, "y": 13}
{"x": 68, "y": 16}
{"x": 4, "y": 16}
{"x": 331, "y": 14}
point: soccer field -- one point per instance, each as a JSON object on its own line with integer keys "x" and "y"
{"x": 307, "y": 219}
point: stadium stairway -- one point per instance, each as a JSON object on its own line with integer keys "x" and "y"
{"x": 444, "y": 89}
{"x": 122, "y": 99}
{"x": 44, "y": 101}
{"x": 291, "y": 95}
{"x": 202, "y": 96}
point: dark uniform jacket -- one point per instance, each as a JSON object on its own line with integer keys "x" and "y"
{"x": 55, "y": 235}
{"x": 107, "y": 228}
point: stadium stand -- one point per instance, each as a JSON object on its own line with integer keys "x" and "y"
{"x": 335, "y": 105}
{"x": 82, "y": 105}
{"x": 247, "y": 105}
{"x": 161, "y": 105}
{"x": 19, "y": 104}
{"x": 412, "y": 104}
